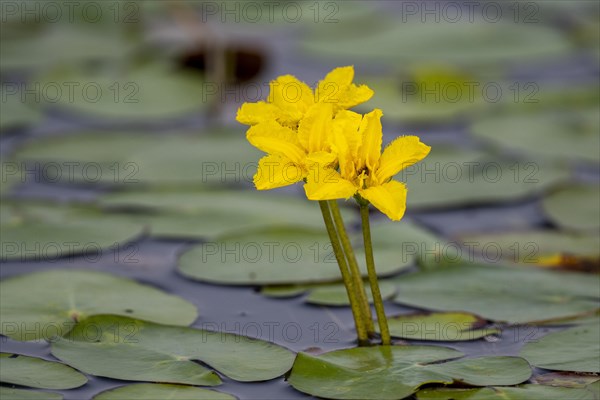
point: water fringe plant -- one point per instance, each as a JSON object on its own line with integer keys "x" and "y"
{"x": 311, "y": 137}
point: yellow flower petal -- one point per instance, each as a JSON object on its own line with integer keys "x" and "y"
{"x": 327, "y": 184}
{"x": 337, "y": 88}
{"x": 273, "y": 138}
{"x": 276, "y": 171}
{"x": 334, "y": 83}
{"x": 255, "y": 113}
{"x": 321, "y": 158}
{"x": 315, "y": 128}
{"x": 292, "y": 96}
{"x": 401, "y": 153}
{"x": 389, "y": 198}
{"x": 345, "y": 141}
{"x": 372, "y": 136}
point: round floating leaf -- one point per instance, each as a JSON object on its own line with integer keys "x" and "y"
{"x": 45, "y": 233}
{"x": 62, "y": 44}
{"x": 17, "y": 113}
{"x": 426, "y": 101}
{"x": 534, "y": 247}
{"x": 506, "y": 393}
{"x": 448, "y": 327}
{"x": 275, "y": 257}
{"x": 65, "y": 296}
{"x": 20, "y": 394}
{"x": 151, "y": 91}
{"x": 440, "y": 181}
{"x": 34, "y": 372}
{"x": 514, "y": 295}
{"x": 153, "y": 391}
{"x": 128, "y": 349}
{"x": 215, "y": 213}
{"x": 468, "y": 43}
{"x": 395, "y": 372}
{"x": 327, "y": 294}
{"x": 214, "y": 157}
{"x": 565, "y": 379}
{"x": 575, "y": 349}
{"x": 574, "y": 207}
{"x": 572, "y": 136}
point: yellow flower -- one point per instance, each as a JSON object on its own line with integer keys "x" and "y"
{"x": 290, "y": 99}
{"x": 291, "y": 154}
{"x": 363, "y": 169}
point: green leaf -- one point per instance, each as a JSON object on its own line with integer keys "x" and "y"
{"x": 545, "y": 135}
{"x": 46, "y": 233}
{"x": 565, "y": 379}
{"x": 153, "y": 391}
{"x": 575, "y": 349}
{"x": 62, "y": 44}
{"x": 449, "y": 327}
{"x": 412, "y": 42}
{"x": 20, "y": 394}
{"x": 151, "y": 91}
{"x": 215, "y": 214}
{"x": 533, "y": 247}
{"x": 437, "y": 101}
{"x": 514, "y": 295}
{"x": 35, "y": 372}
{"x": 128, "y": 349}
{"x": 574, "y": 207}
{"x": 450, "y": 177}
{"x": 333, "y": 294}
{"x": 395, "y": 372}
{"x": 275, "y": 257}
{"x": 65, "y": 296}
{"x": 506, "y": 393}
{"x": 214, "y": 157}
{"x": 15, "y": 112}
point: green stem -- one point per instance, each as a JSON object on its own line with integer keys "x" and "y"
{"x": 377, "y": 300}
{"x": 357, "y": 281}
{"x": 341, "y": 259}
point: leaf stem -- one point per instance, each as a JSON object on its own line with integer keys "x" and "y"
{"x": 341, "y": 259}
{"x": 377, "y": 300}
{"x": 355, "y": 273}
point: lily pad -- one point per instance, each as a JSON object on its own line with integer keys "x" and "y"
{"x": 276, "y": 257}
{"x": 151, "y": 91}
{"x": 327, "y": 294}
{"x": 62, "y": 44}
{"x": 514, "y": 295}
{"x": 436, "y": 100}
{"x": 545, "y": 135}
{"x": 565, "y": 379}
{"x": 46, "y": 233}
{"x": 153, "y": 391}
{"x": 64, "y": 296}
{"x": 463, "y": 42}
{"x": 542, "y": 247}
{"x": 213, "y": 157}
{"x": 128, "y": 349}
{"x": 396, "y": 372}
{"x": 489, "y": 180}
{"x": 506, "y": 393}
{"x": 20, "y": 394}
{"x": 575, "y": 349}
{"x": 34, "y": 372}
{"x": 15, "y": 112}
{"x": 574, "y": 207}
{"x": 448, "y": 327}
{"x": 215, "y": 214}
